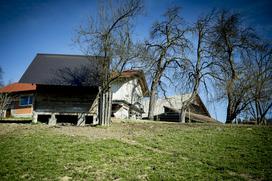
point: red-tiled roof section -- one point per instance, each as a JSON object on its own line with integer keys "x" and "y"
{"x": 18, "y": 87}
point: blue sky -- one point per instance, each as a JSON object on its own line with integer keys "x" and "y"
{"x": 28, "y": 27}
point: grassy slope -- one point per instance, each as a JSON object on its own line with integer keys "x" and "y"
{"x": 145, "y": 151}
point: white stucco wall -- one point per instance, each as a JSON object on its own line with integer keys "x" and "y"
{"x": 129, "y": 91}
{"x": 122, "y": 113}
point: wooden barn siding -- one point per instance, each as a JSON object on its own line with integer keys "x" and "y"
{"x": 197, "y": 109}
{"x": 64, "y": 99}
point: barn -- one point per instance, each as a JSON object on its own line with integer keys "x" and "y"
{"x": 58, "y": 88}
{"x": 168, "y": 109}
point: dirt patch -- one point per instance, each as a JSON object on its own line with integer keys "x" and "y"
{"x": 89, "y": 132}
{"x": 65, "y": 178}
{"x": 117, "y": 130}
{"x": 135, "y": 143}
{"x": 244, "y": 176}
{"x": 11, "y": 128}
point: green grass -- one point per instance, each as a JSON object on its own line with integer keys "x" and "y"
{"x": 131, "y": 151}
{"x": 17, "y": 118}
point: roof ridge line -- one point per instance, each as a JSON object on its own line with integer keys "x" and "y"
{"x": 61, "y": 54}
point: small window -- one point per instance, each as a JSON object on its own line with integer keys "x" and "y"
{"x": 26, "y": 100}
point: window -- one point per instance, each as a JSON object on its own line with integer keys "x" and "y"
{"x": 26, "y": 100}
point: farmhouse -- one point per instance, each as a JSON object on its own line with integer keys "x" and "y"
{"x": 58, "y": 88}
{"x": 128, "y": 93}
{"x": 64, "y": 88}
{"x": 168, "y": 109}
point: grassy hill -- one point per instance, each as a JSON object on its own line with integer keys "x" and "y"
{"x": 135, "y": 151}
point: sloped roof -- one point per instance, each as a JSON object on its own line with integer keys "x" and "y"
{"x": 171, "y": 101}
{"x": 58, "y": 69}
{"x": 174, "y": 102}
{"x": 128, "y": 74}
{"x": 194, "y": 116}
{"x": 18, "y": 87}
{"x": 131, "y": 73}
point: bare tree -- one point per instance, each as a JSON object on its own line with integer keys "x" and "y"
{"x": 166, "y": 48}
{"x": 4, "y": 103}
{"x": 109, "y": 37}
{"x": 229, "y": 38}
{"x": 4, "y": 97}
{"x": 196, "y": 70}
{"x": 259, "y": 67}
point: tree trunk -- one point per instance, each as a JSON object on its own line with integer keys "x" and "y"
{"x": 230, "y": 109}
{"x": 182, "y": 115}
{"x": 110, "y": 106}
{"x": 230, "y": 114}
{"x": 258, "y": 117}
{"x": 152, "y": 101}
{"x": 104, "y": 108}
{"x": 100, "y": 109}
{"x": 153, "y": 97}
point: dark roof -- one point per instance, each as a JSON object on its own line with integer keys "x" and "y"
{"x": 57, "y": 69}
